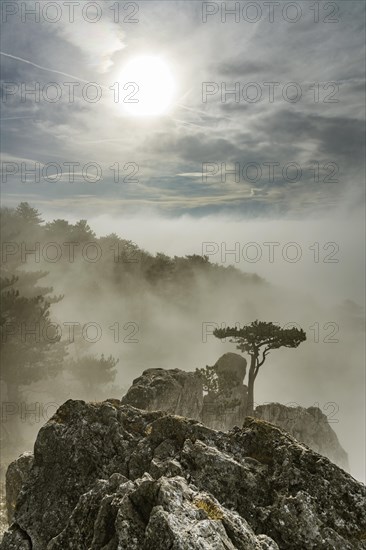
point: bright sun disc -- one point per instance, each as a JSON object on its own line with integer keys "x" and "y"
{"x": 148, "y": 86}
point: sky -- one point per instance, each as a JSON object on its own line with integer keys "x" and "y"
{"x": 263, "y": 139}
{"x": 293, "y": 130}
{"x": 253, "y": 131}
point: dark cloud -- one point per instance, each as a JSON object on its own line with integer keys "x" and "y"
{"x": 340, "y": 138}
{"x": 241, "y": 68}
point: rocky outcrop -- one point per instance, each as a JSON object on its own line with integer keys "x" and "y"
{"x": 156, "y": 514}
{"x": 174, "y": 391}
{"x": 16, "y": 474}
{"x": 309, "y": 426}
{"x": 108, "y": 476}
{"x": 179, "y": 392}
{"x": 226, "y": 409}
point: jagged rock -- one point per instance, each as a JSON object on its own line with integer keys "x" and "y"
{"x": 16, "y": 539}
{"x": 174, "y": 391}
{"x": 108, "y": 476}
{"x": 309, "y": 426}
{"x": 156, "y": 514}
{"x": 16, "y": 475}
{"x": 179, "y": 392}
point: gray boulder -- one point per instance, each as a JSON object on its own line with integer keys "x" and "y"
{"x": 108, "y": 476}
{"x": 232, "y": 364}
{"x": 174, "y": 391}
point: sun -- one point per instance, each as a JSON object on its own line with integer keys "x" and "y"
{"x": 148, "y": 86}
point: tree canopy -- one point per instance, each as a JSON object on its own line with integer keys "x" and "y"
{"x": 257, "y": 340}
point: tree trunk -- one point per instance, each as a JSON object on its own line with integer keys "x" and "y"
{"x": 251, "y": 378}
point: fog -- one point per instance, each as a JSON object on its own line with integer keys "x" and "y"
{"x": 170, "y": 324}
{"x": 328, "y": 274}
{"x": 328, "y": 368}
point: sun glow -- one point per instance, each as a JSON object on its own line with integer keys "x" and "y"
{"x": 148, "y": 86}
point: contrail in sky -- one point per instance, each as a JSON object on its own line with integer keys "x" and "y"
{"x": 44, "y": 68}
{"x": 15, "y": 117}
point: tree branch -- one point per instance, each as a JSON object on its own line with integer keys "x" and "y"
{"x": 265, "y": 352}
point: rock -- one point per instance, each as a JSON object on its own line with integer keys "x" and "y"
{"x": 158, "y": 514}
{"x": 16, "y": 474}
{"x": 309, "y": 426}
{"x": 227, "y": 409}
{"x": 178, "y": 392}
{"x": 234, "y": 365}
{"x": 108, "y": 476}
{"x": 16, "y": 539}
{"x": 223, "y": 412}
{"x": 3, "y": 511}
{"x": 174, "y": 391}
